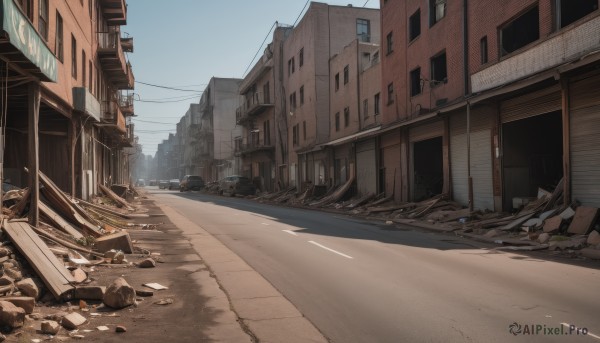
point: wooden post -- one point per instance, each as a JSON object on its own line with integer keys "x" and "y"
{"x": 33, "y": 151}
{"x": 566, "y": 126}
{"x": 72, "y": 150}
{"x": 469, "y": 178}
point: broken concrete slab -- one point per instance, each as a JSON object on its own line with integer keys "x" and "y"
{"x": 90, "y": 292}
{"x": 590, "y": 253}
{"x": 568, "y": 213}
{"x": 119, "y": 294}
{"x": 72, "y": 320}
{"x": 79, "y": 275}
{"x": 543, "y": 238}
{"x": 553, "y": 224}
{"x": 584, "y": 220}
{"x": 593, "y": 238}
{"x": 11, "y": 315}
{"x": 26, "y": 303}
{"x": 118, "y": 241}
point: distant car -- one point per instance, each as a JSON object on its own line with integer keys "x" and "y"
{"x": 173, "y": 184}
{"x": 236, "y": 185}
{"x": 163, "y": 184}
{"x": 140, "y": 183}
{"x": 153, "y": 183}
{"x": 191, "y": 182}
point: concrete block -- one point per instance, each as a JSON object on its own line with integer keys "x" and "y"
{"x": 117, "y": 241}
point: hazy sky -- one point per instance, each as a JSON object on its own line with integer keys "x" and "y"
{"x": 183, "y": 43}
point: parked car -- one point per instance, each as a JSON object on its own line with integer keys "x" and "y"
{"x": 191, "y": 182}
{"x": 173, "y": 184}
{"x": 153, "y": 183}
{"x": 140, "y": 183}
{"x": 163, "y": 184}
{"x": 235, "y": 184}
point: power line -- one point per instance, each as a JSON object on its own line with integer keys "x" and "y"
{"x": 167, "y": 101}
{"x": 153, "y": 122}
{"x": 165, "y": 87}
{"x": 259, "y": 48}
{"x": 300, "y": 14}
{"x": 366, "y": 2}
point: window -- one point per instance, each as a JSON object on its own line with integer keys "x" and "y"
{"x": 363, "y": 30}
{"x": 337, "y": 121}
{"x": 304, "y": 130}
{"x": 483, "y": 46}
{"x": 346, "y": 116}
{"x": 415, "y": 82}
{"x": 414, "y": 25}
{"x": 58, "y": 47}
{"x": 390, "y": 93}
{"x": 293, "y": 65}
{"x": 376, "y": 104}
{"x": 439, "y": 72}
{"x": 73, "y": 57}
{"x": 569, "y": 11}
{"x": 365, "y": 108}
{"x": 295, "y": 134}
{"x": 289, "y": 67}
{"x": 293, "y": 101}
{"x": 521, "y": 31}
{"x": 267, "y": 93}
{"x": 83, "y": 71}
{"x": 301, "y": 95}
{"x": 27, "y": 7}
{"x": 90, "y": 7}
{"x": 337, "y": 81}
{"x": 346, "y": 74}
{"x": 91, "y": 80}
{"x": 267, "y": 132}
{"x": 437, "y": 11}
{"x": 43, "y": 22}
{"x": 301, "y": 58}
{"x": 389, "y": 43}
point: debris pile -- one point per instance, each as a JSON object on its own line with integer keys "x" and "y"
{"x": 50, "y": 264}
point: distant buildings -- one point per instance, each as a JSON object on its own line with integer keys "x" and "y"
{"x": 419, "y": 98}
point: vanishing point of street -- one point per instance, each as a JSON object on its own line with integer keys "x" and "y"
{"x": 361, "y": 281}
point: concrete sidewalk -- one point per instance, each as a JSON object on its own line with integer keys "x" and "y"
{"x": 249, "y": 308}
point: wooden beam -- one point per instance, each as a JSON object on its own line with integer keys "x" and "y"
{"x": 53, "y": 272}
{"x": 566, "y": 126}
{"x": 33, "y": 151}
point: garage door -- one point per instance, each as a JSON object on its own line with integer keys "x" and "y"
{"x": 366, "y": 167}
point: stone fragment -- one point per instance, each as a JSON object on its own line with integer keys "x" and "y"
{"x": 11, "y": 315}
{"x": 543, "y": 238}
{"x": 26, "y": 303}
{"x": 147, "y": 263}
{"x": 13, "y": 273}
{"x": 5, "y": 280}
{"x": 120, "y": 328}
{"x": 493, "y": 233}
{"x": 29, "y": 288}
{"x": 50, "y": 327}
{"x": 4, "y": 252}
{"x": 117, "y": 241}
{"x": 72, "y": 320}
{"x": 590, "y": 253}
{"x": 90, "y": 292}
{"x": 144, "y": 293}
{"x": 593, "y": 238}
{"x": 119, "y": 294}
{"x": 79, "y": 275}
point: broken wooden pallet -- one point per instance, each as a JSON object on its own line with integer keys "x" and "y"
{"x": 54, "y": 274}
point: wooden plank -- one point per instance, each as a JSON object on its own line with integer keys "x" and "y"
{"x": 518, "y": 221}
{"x": 108, "y": 192}
{"x": 584, "y": 220}
{"x": 58, "y": 221}
{"x": 552, "y": 224}
{"x": 54, "y": 274}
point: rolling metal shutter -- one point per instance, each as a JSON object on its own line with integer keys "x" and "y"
{"x": 532, "y": 104}
{"x": 481, "y": 159}
{"x": 585, "y": 141}
{"x": 427, "y": 131}
{"x": 366, "y": 167}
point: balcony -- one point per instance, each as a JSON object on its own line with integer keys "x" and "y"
{"x": 114, "y": 11}
{"x": 112, "y": 118}
{"x": 86, "y": 103}
{"x": 258, "y": 71}
{"x": 242, "y": 149}
{"x": 253, "y": 106}
{"x": 113, "y": 61}
{"x": 126, "y": 104}
{"x": 127, "y": 44}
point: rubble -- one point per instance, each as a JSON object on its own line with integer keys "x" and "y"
{"x": 50, "y": 327}
{"x": 11, "y": 315}
{"x": 119, "y": 294}
{"x": 73, "y": 320}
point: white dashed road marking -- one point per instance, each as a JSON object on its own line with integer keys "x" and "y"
{"x": 329, "y": 249}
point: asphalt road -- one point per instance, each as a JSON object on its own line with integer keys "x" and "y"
{"x": 357, "y": 281}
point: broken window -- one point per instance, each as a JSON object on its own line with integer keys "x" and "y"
{"x": 346, "y": 74}
{"x": 439, "y": 71}
{"x": 437, "y": 11}
{"x": 390, "y": 93}
{"x": 521, "y": 31}
{"x": 390, "y": 43}
{"x": 346, "y": 116}
{"x": 415, "y": 82}
{"x": 414, "y": 25}
{"x": 569, "y": 11}
{"x": 337, "y": 121}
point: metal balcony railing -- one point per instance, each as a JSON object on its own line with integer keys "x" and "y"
{"x": 254, "y": 105}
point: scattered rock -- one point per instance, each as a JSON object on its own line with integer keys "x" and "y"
{"x": 120, "y": 328}
{"x": 493, "y": 233}
{"x": 72, "y": 320}
{"x": 543, "y": 238}
{"x": 119, "y": 294}
{"x": 26, "y": 303}
{"x": 166, "y": 301}
{"x": 13, "y": 273}
{"x": 50, "y": 327}
{"x": 57, "y": 316}
{"x": 144, "y": 293}
{"x": 5, "y": 252}
{"x": 79, "y": 275}
{"x": 11, "y": 315}
{"x": 29, "y": 288}
{"x": 593, "y": 238}
{"x": 593, "y": 254}
{"x": 147, "y": 263}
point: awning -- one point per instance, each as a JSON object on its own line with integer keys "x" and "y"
{"x": 353, "y": 137}
{"x": 35, "y": 56}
